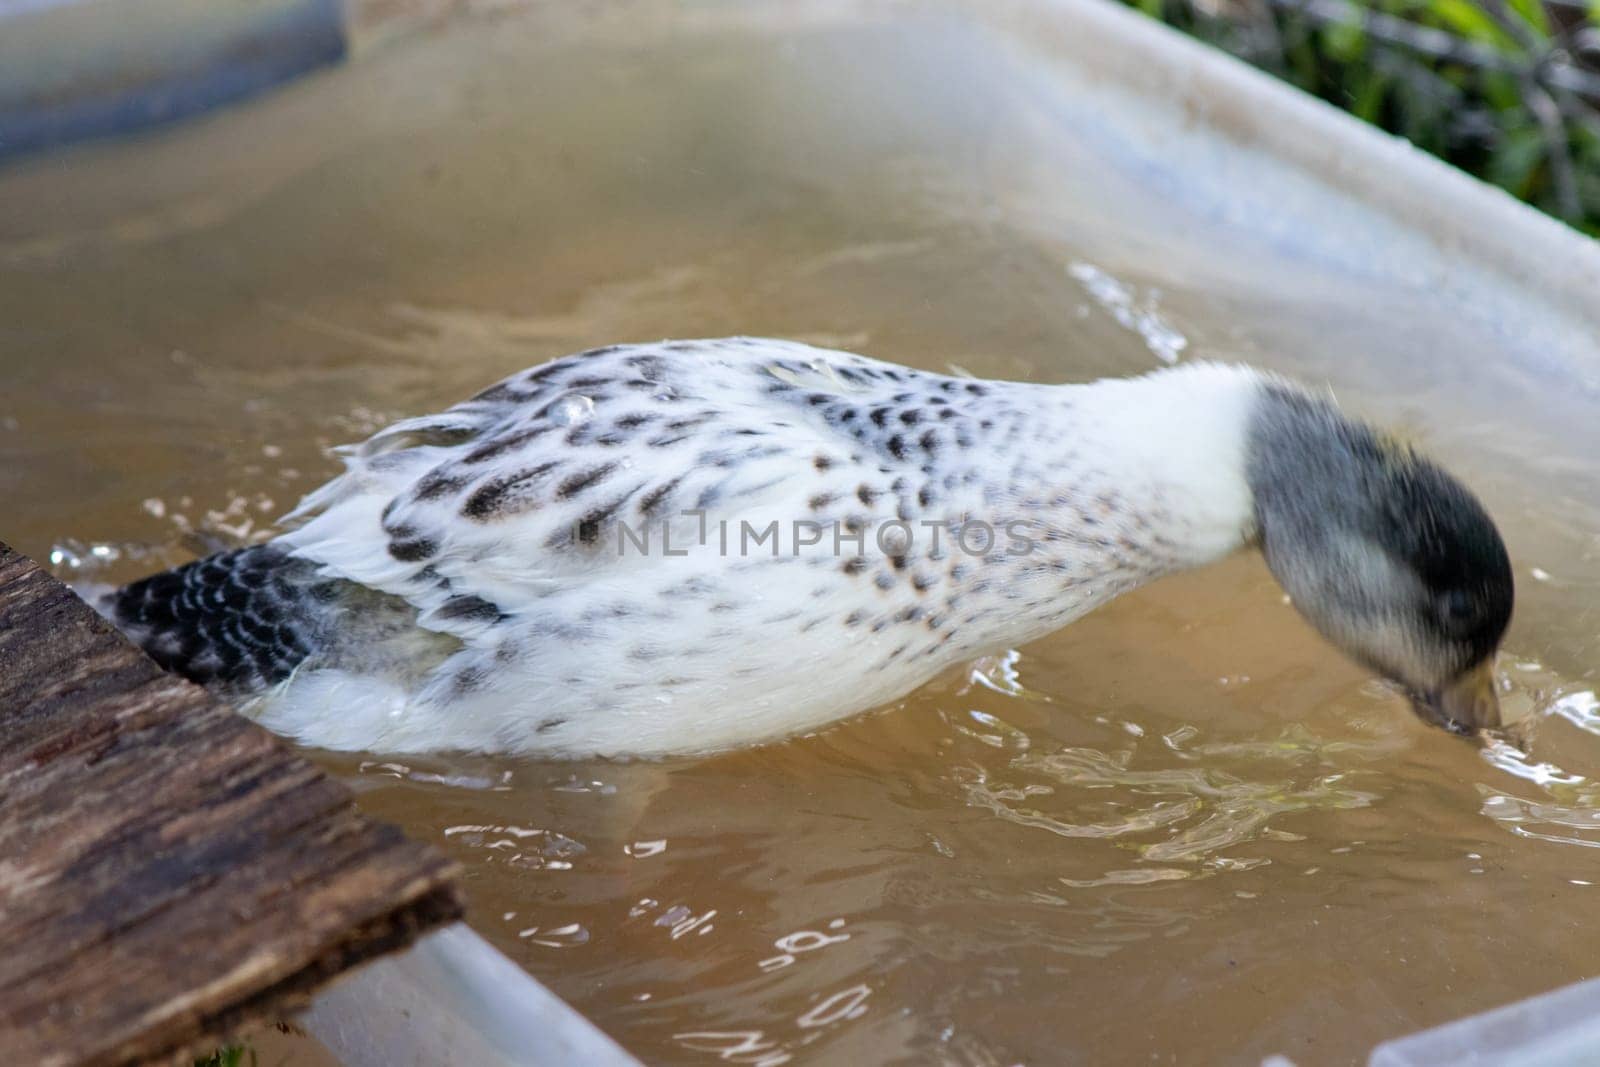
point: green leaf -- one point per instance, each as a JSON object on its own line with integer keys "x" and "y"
{"x": 1532, "y": 12}
{"x": 1469, "y": 20}
{"x": 1369, "y": 96}
{"x": 1346, "y": 41}
{"x": 1503, "y": 92}
{"x": 1515, "y": 160}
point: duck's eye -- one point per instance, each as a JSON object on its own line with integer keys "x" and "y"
{"x": 1458, "y": 607}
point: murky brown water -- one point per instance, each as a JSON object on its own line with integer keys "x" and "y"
{"x": 1181, "y": 831}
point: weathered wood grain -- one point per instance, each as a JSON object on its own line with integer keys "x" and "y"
{"x": 169, "y": 872}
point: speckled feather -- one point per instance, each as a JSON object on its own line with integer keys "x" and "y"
{"x": 501, "y": 537}
{"x": 246, "y": 617}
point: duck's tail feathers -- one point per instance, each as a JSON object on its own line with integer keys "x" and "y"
{"x": 243, "y": 619}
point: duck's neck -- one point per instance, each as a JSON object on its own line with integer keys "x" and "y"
{"x": 1127, "y": 481}
{"x": 1172, "y": 448}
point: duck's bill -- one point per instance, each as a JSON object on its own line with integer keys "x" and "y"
{"x": 1465, "y": 705}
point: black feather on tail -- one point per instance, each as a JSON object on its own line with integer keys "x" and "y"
{"x": 242, "y": 619}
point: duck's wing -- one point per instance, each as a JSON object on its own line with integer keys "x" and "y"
{"x": 472, "y": 515}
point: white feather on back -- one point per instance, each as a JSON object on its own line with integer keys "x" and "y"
{"x": 537, "y": 439}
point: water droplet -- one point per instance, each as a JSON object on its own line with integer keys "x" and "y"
{"x": 682, "y": 920}
{"x": 999, "y": 673}
{"x": 570, "y": 409}
{"x": 1581, "y": 709}
{"x": 1176, "y": 739}
{"x": 74, "y": 555}
{"x": 569, "y": 936}
{"x": 807, "y": 941}
{"x": 994, "y": 731}
{"x": 574, "y": 785}
{"x": 845, "y": 1004}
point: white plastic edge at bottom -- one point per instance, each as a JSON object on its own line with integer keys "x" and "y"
{"x": 1556, "y": 1029}
{"x": 453, "y": 998}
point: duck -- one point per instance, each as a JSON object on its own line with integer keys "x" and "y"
{"x": 677, "y": 548}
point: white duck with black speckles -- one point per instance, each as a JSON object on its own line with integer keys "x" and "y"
{"x": 687, "y": 546}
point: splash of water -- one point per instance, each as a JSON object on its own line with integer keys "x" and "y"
{"x": 1553, "y": 715}
{"x": 1142, "y": 316}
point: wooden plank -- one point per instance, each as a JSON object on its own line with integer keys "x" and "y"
{"x": 170, "y": 873}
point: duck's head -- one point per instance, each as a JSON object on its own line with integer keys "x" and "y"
{"x": 1387, "y": 555}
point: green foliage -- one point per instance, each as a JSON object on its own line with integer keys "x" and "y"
{"x": 231, "y": 1056}
{"x": 1508, "y": 90}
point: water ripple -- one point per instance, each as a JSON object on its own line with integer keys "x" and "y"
{"x": 1556, "y": 716}
{"x": 1167, "y": 815}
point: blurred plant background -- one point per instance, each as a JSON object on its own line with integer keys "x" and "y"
{"x": 1508, "y": 90}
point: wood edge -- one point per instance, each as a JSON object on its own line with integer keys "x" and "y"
{"x": 433, "y": 900}
{"x": 385, "y": 935}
